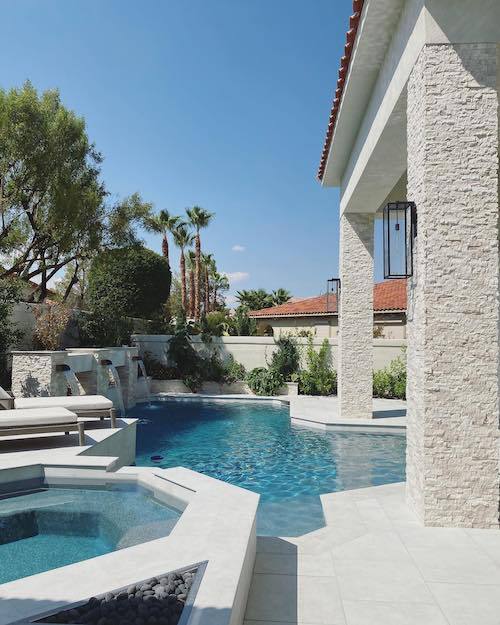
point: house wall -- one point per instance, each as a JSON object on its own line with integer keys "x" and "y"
{"x": 256, "y": 351}
{"x": 392, "y": 326}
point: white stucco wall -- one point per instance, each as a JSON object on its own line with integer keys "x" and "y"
{"x": 255, "y": 351}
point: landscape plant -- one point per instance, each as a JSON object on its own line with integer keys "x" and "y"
{"x": 318, "y": 378}
{"x": 286, "y": 358}
{"x": 263, "y": 381}
{"x": 391, "y": 381}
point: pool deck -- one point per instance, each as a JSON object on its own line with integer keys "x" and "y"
{"x": 375, "y": 564}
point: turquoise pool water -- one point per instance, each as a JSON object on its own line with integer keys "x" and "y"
{"x": 254, "y": 445}
{"x": 49, "y": 528}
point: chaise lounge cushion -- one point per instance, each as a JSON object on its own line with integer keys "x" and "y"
{"x": 78, "y": 403}
{"x": 35, "y": 416}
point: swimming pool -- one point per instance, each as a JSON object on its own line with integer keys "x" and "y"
{"x": 254, "y": 445}
{"x": 52, "y": 527}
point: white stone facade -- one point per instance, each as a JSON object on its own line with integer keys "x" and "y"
{"x": 355, "y": 367}
{"x": 453, "y": 308}
{"x": 34, "y": 374}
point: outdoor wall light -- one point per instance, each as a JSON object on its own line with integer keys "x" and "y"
{"x": 400, "y": 230}
{"x": 333, "y": 295}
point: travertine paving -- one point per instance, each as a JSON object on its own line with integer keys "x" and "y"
{"x": 374, "y": 564}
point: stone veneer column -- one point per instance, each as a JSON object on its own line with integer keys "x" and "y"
{"x": 453, "y": 302}
{"x": 34, "y": 374}
{"x": 356, "y": 316}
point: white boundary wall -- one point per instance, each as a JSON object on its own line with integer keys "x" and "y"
{"x": 256, "y": 351}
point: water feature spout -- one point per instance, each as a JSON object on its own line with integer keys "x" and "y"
{"x": 114, "y": 382}
{"x": 71, "y": 380}
{"x": 142, "y": 377}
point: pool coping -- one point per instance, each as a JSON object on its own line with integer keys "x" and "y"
{"x": 217, "y": 526}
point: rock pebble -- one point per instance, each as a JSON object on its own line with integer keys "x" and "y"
{"x": 157, "y": 601}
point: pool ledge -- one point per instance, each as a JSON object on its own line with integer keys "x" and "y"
{"x": 217, "y": 526}
{"x": 389, "y": 415}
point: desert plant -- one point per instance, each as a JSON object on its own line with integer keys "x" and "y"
{"x": 50, "y": 323}
{"x": 286, "y": 358}
{"x": 318, "y": 378}
{"x": 264, "y": 381}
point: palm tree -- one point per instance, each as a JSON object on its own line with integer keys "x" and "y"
{"x": 199, "y": 218}
{"x": 191, "y": 264}
{"x": 280, "y": 296}
{"x": 254, "y": 299}
{"x": 183, "y": 238}
{"x": 163, "y": 223}
{"x": 209, "y": 267}
{"x": 220, "y": 282}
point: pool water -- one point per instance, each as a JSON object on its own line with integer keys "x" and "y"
{"x": 48, "y": 528}
{"x": 254, "y": 445}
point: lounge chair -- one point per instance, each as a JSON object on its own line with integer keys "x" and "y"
{"x": 19, "y": 422}
{"x": 83, "y": 405}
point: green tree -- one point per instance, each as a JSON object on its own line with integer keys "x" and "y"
{"x": 183, "y": 239}
{"x": 51, "y": 198}
{"x": 137, "y": 279}
{"x": 199, "y": 218}
{"x": 254, "y": 299}
{"x": 52, "y": 202}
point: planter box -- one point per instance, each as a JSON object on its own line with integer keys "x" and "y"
{"x": 292, "y": 388}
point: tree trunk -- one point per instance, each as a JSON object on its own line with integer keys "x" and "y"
{"x": 214, "y": 305}
{"x": 183, "y": 282}
{"x": 164, "y": 246}
{"x": 197, "y": 278}
{"x": 71, "y": 284}
{"x": 191, "y": 293}
{"x": 207, "y": 291}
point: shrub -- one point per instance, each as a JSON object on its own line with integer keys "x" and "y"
{"x": 286, "y": 359}
{"x": 182, "y": 354}
{"x": 156, "y": 369}
{"x": 264, "y": 381}
{"x": 318, "y": 378}
{"x": 235, "y": 371}
{"x": 104, "y": 327}
{"x": 50, "y": 323}
{"x": 130, "y": 281}
{"x": 391, "y": 381}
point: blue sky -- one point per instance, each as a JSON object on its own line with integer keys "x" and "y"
{"x": 220, "y": 103}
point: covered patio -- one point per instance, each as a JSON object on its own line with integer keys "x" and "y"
{"x": 416, "y": 119}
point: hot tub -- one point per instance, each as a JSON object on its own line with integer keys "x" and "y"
{"x": 46, "y": 527}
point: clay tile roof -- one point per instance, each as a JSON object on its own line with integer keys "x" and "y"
{"x": 387, "y": 296}
{"x": 357, "y": 7}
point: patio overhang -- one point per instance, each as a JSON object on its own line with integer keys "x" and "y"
{"x": 367, "y": 156}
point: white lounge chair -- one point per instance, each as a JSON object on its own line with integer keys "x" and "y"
{"x": 83, "y": 405}
{"x": 19, "y": 422}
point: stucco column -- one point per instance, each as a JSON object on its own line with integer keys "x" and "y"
{"x": 355, "y": 368}
{"x": 453, "y": 305}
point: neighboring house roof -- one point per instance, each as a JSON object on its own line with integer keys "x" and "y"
{"x": 388, "y": 296}
{"x": 357, "y": 7}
